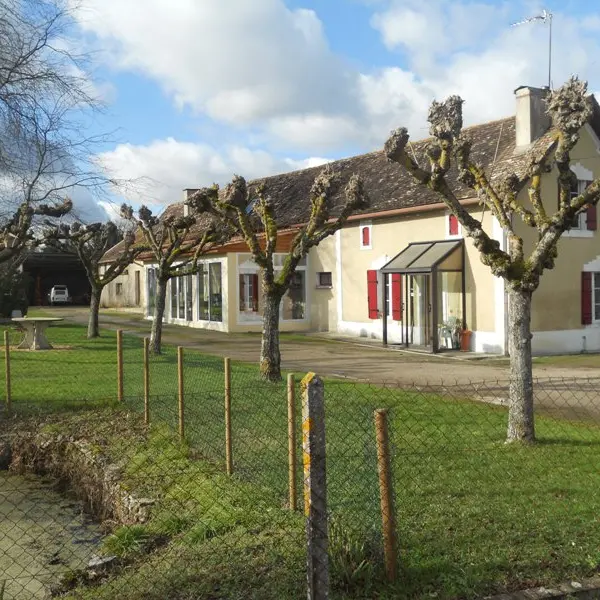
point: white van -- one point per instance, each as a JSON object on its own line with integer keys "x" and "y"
{"x": 59, "y": 294}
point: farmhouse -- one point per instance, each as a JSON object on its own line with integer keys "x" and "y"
{"x": 402, "y": 270}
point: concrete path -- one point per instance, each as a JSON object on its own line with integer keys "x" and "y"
{"x": 333, "y": 358}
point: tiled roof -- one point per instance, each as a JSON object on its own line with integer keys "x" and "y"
{"x": 391, "y": 187}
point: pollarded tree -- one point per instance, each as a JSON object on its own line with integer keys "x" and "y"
{"x": 176, "y": 243}
{"x": 45, "y": 100}
{"x": 17, "y": 233}
{"x": 259, "y": 229}
{"x": 569, "y": 110}
{"x": 90, "y": 243}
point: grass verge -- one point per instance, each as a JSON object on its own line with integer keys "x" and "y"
{"x": 475, "y": 516}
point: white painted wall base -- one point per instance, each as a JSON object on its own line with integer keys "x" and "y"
{"x": 487, "y": 342}
{"x": 371, "y": 329}
{"x": 566, "y": 341}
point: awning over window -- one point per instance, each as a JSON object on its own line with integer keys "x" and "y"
{"x": 425, "y": 257}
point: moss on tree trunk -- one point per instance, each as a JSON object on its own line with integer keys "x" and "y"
{"x": 93, "y": 327}
{"x": 159, "y": 312}
{"x": 270, "y": 356}
{"x": 520, "y": 412}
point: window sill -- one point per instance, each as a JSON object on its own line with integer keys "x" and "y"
{"x": 578, "y": 233}
{"x": 366, "y": 247}
{"x": 323, "y": 287}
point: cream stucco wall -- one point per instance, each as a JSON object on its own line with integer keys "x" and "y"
{"x": 127, "y": 298}
{"x": 388, "y": 238}
{"x": 556, "y": 310}
{"x": 237, "y": 323}
{"x": 323, "y": 306}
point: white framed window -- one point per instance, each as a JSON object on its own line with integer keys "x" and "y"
{"x": 596, "y": 298}
{"x": 210, "y": 292}
{"x": 580, "y": 227}
{"x": 580, "y": 220}
{"x": 249, "y": 292}
{"x": 324, "y": 279}
{"x": 150, "y": 290}
{"x": 366, "y": 235}
{"x": 250, "y": 301}
{"x": 181, "y": 297}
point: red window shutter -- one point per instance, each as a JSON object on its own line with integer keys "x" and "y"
{"x": 242, "y": 279}
{"x": 452, "y": 225}
{"x": 396, "y": 296}
{"x": 592, "y": 221}
{"x": 372, "y": 294}
{"x": 366, "y": 236}
{"x": 255, "y": 293}
{"x": 586, "y": 298}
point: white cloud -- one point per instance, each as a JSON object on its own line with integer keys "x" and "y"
{"x": 160, "y": 170}
{"x": 244, "y": 62}
{"x": 315, "y": 130}
{"x": 468, "y": 49}
{"x": 267, "y": 72}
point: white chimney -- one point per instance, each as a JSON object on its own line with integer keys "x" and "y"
{"x": 532, "y": 121}
{"x": 187, "y": 192}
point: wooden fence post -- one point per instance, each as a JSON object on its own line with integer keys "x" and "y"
{"x": 180, "y": 390}
{"x": 147, "y": 381}
{"x": 386, "y": 494}
{"x": 7, "y": 369}
{"x": 315, "y": 486}
{"x": 120, "y": 365}
{"x": 291, "y": 397}
{"x": 228, "y": 442}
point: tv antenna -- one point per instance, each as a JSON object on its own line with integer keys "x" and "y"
{"x": 545, "y": 17}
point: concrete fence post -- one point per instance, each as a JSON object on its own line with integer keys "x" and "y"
{"x": 7, "y": 370}
{"x": 386, "y": 494}
{"x": 315, "y": 486}
{"x": 120, "y": 365}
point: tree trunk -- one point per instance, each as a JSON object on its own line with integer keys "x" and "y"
{"x": 520, "y": 412}
{"x": 93, "y": 328}
{"x": 159, "y": 312}
{"x": 270, "y": 357}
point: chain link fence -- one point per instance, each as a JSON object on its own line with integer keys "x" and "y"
{"x": 192, "y": 484}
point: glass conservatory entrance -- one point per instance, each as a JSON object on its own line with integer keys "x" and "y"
{"x": 426, "y": 295}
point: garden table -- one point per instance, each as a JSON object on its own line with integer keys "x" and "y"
{"x": 35, "y": 327}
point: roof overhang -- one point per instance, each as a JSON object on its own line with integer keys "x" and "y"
{"x": 427, "y": 257}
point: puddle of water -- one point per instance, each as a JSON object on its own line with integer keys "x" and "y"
{"x": 42, "y": 535}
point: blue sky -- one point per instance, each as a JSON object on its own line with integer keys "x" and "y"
{"x": 199, "y": 90}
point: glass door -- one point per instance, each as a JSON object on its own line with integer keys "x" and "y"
{"x": 419, "y": 311}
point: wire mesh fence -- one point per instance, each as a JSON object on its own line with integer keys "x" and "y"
{"x": 193, "y": 486}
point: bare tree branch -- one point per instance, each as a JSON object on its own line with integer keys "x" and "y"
{"x": 252, "y": 215}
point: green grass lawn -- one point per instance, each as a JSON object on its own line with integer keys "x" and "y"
{"x": 475, "y": 516}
